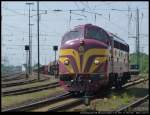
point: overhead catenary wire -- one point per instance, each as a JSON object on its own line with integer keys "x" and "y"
{"x": 96, "y": 13}
{"x": 46, "y": 37}
{"x": 77, "y": 5}
{"x": 14, "y": 11}
{"x": 15, "y": 27}
{"x": 91, "y": 12}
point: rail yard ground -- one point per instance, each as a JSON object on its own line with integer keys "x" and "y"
{"x": 22, "y": 76}
{"x": 142, "y": 107}
{"x": 36, "y": 84}
{"x": 17, "y": 100}
{"x": 9, "y": 101}
{"x": 110, "y": 102}
{"x": 116, "y": 99}
{"x": 30, "y": 82}
{"x": 60, "y": 103}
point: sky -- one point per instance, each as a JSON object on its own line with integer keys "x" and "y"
{"x": 113, "y": 16}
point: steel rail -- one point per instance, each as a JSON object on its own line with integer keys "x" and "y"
{"x": 66, "y": 106}
{"x": 78, "y": 102}
{"x": 22, "y": 82}
{"x": 39, "y": 103}
{"x": 30, "y": 89}
{"x": 58, "y": 108}
{"x": 133, "y": 104}
{"x": 7, "y": 75}
{"x": 135, "y": 82}
{"x": 13, "y": 77}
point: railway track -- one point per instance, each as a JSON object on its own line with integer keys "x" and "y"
{"x": 133, "y": 105}
{"x": 134, "y": 82}
{"x": 30, "y": 89}
{"x": 64, "y": 106}
{"x": 7, "y": 75}
{"x": 38, "y": 104}
{"x": 14, "y": 77}
{"x": 18, "y": 77}
{"x": 20, "y": 82}
{"x": 80, "y": 101}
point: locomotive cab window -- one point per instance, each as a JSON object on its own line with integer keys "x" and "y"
{"x": 95, "y": 33}
{"x": 92, "y": 33}
{"x": 73, "y": 35}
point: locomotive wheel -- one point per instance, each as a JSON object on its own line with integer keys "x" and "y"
{"x": 112, "y": 80}
{"x": 118, "y": 82}
{"x": 118, "y": 86}
{"x": 109, "y": 86}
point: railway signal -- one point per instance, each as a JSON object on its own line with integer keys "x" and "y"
{"x": 55, "y": 48}
{"x": 29, "y": 38}
{"x": 27, "y": 51}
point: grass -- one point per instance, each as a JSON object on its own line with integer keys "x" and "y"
{"x": 15, "y": 100}
{"x": 117, "y": 99}
{"x": 112, "y": 102}
{"x": 143, "y": 75}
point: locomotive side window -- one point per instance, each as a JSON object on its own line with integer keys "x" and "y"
{"x": 115, "y": 52}
{"x": 121, "y": 46}
{"x": 116, "y": 44}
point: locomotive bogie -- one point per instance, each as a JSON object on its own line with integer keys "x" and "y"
{"x": 82, "y": 83}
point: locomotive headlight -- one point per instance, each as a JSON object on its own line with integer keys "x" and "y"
{"x": 89, "y": 81}
{"x": 96, "y": 62}
{"x": 66, "y": 62}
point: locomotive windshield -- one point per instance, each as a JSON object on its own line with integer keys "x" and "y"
{"x": 73, "y": 35}
{"x": 95, "y": 33}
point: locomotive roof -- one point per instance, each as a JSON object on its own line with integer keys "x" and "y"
{"x": 116, "y": 38}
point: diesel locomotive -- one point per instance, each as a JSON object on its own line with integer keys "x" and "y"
{"x": 91, "y": 58}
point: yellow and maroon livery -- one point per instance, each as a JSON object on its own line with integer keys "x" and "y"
{"x": 85, "y": 59}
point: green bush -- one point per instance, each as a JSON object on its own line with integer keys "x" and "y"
{"x": 144, "y": 61}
